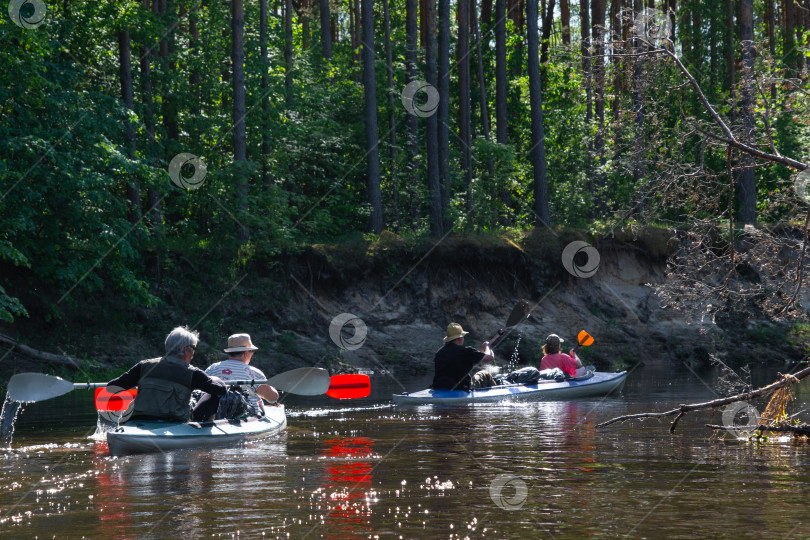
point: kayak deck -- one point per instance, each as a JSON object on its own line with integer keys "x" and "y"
{"x": 148, "y": 436}
{"x": 599, "y": 384}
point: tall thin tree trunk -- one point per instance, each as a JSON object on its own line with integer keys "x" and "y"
{"x": 565, "y": 21}
{"x": 412, "y": 121}
{"x": 434, "y": 188}
{"x": 392, "y": 125}
{"x": 130, "y": 144}
{"x": 482, "y": 85}
{"x": 598, "y": 25}
{"x": 443, "y": 120}
{"x": 501, "y": 99}
{"x": 239, "y": 111}
{"x": 288, "y": 54}
{"x": 731, "y": 58}
{"x": 548, "y": 22}
{"x": 153, "y": 195}
{"x": 463, "y": 63}
{"x": 538, "y": 152}
{"x": 789, "y": 47}
{"x": 748, "y": 187}
{"x": 638, "y": 102}
{"x": 486, "y": 12}
{"x": 195, "y": 79}
{"x": 266, "y": 180}
{"x": 370, "y": 95}
{"x": 587, "y": 62}
{"x": 771, "y": 31}
{"x": 326, "y": 30}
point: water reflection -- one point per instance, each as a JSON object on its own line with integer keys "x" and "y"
{"x": 346, "y": 487}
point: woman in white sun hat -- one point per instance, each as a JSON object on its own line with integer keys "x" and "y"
{"x": 237, "y": 368}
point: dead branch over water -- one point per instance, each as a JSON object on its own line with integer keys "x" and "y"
{"x": 745, "y": 396}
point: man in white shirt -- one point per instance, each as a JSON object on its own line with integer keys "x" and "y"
{"x": 237, "y": 368}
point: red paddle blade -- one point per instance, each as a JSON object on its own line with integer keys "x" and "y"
{"x": 105, "y": 401}
{"x": 351, "y": 386}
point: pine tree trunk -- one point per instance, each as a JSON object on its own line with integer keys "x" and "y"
{"x": 434, "y": 188}
{"x": 771, "y": 31}
{"x": 392, "y": 123}
{"x": 501, "y": 99}
{"x": 239, "y": 134}
{"x": 548, "y": 22}
{"x": 598, "y": 25}
{"x": 789, "y": 9}
{"x": 370, "y": 95}
{"x": 288, "y": 54}
{"x": 130, "y": 144}
{"x": 463, "y": 62}
{"x": 538, "y": 154}
{"x": 565, "y": 21}
{"x": 412, "y": 121}
{"x": 731, "y": 58}
{"x": 326, "y": 29}
{"x": 482, "y": 85}
{"x": 266, "y": 180}
{"x": 638, "y": 103}
{"x": 748, "y": 188}
{"x": 443, "y": 120}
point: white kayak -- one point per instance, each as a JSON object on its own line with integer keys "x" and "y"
{"x": 597, "y": 383}
{"x": 145, "y": 436}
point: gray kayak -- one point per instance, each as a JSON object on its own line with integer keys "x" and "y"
{"x": 597, "y": 383}
{"x": 149, "y": 436}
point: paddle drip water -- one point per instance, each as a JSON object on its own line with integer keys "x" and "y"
{"x": 514, "y": 360}
{"x": 7, "y": 417}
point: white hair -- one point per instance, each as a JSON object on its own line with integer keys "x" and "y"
{"x": 179, "y": 338}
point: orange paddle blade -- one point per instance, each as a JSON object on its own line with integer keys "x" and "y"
{"x": 585, "y": 339}
{"x": 105, "y": 401}
{"x": 351, "y": 386}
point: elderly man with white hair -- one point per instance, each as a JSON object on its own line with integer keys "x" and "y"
{"x": 165, "y": 384}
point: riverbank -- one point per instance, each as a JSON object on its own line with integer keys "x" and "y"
{"x": 402, "y": 293}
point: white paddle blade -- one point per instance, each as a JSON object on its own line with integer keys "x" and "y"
{"x": 31, "y": 387}
{"x": 309, "y": 381}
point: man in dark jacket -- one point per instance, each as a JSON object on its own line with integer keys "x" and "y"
{"x": 454, "y": 361}
{"x": 165, "y": 384}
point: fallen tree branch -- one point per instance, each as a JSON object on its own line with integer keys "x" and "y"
{"x": 745, "y": 396}
{"x": 62, "y": 360}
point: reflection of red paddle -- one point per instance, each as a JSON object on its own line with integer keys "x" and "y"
{"x": 350, "y": 386}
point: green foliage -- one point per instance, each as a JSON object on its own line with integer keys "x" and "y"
{"x": 65, "y": 232}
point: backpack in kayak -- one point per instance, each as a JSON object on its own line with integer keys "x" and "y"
{"x": 233, "y": 405}
{"x": 527, "y": 375}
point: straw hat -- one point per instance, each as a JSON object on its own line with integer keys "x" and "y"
{"x": 240, "y": 342}
{"x": 454, "y": 331}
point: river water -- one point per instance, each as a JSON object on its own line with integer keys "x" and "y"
{"x": 365, "y": 468}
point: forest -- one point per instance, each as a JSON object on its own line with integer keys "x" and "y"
{"x": 141, "y": 137}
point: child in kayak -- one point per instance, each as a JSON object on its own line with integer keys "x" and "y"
{"x": 553, "y": 358}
